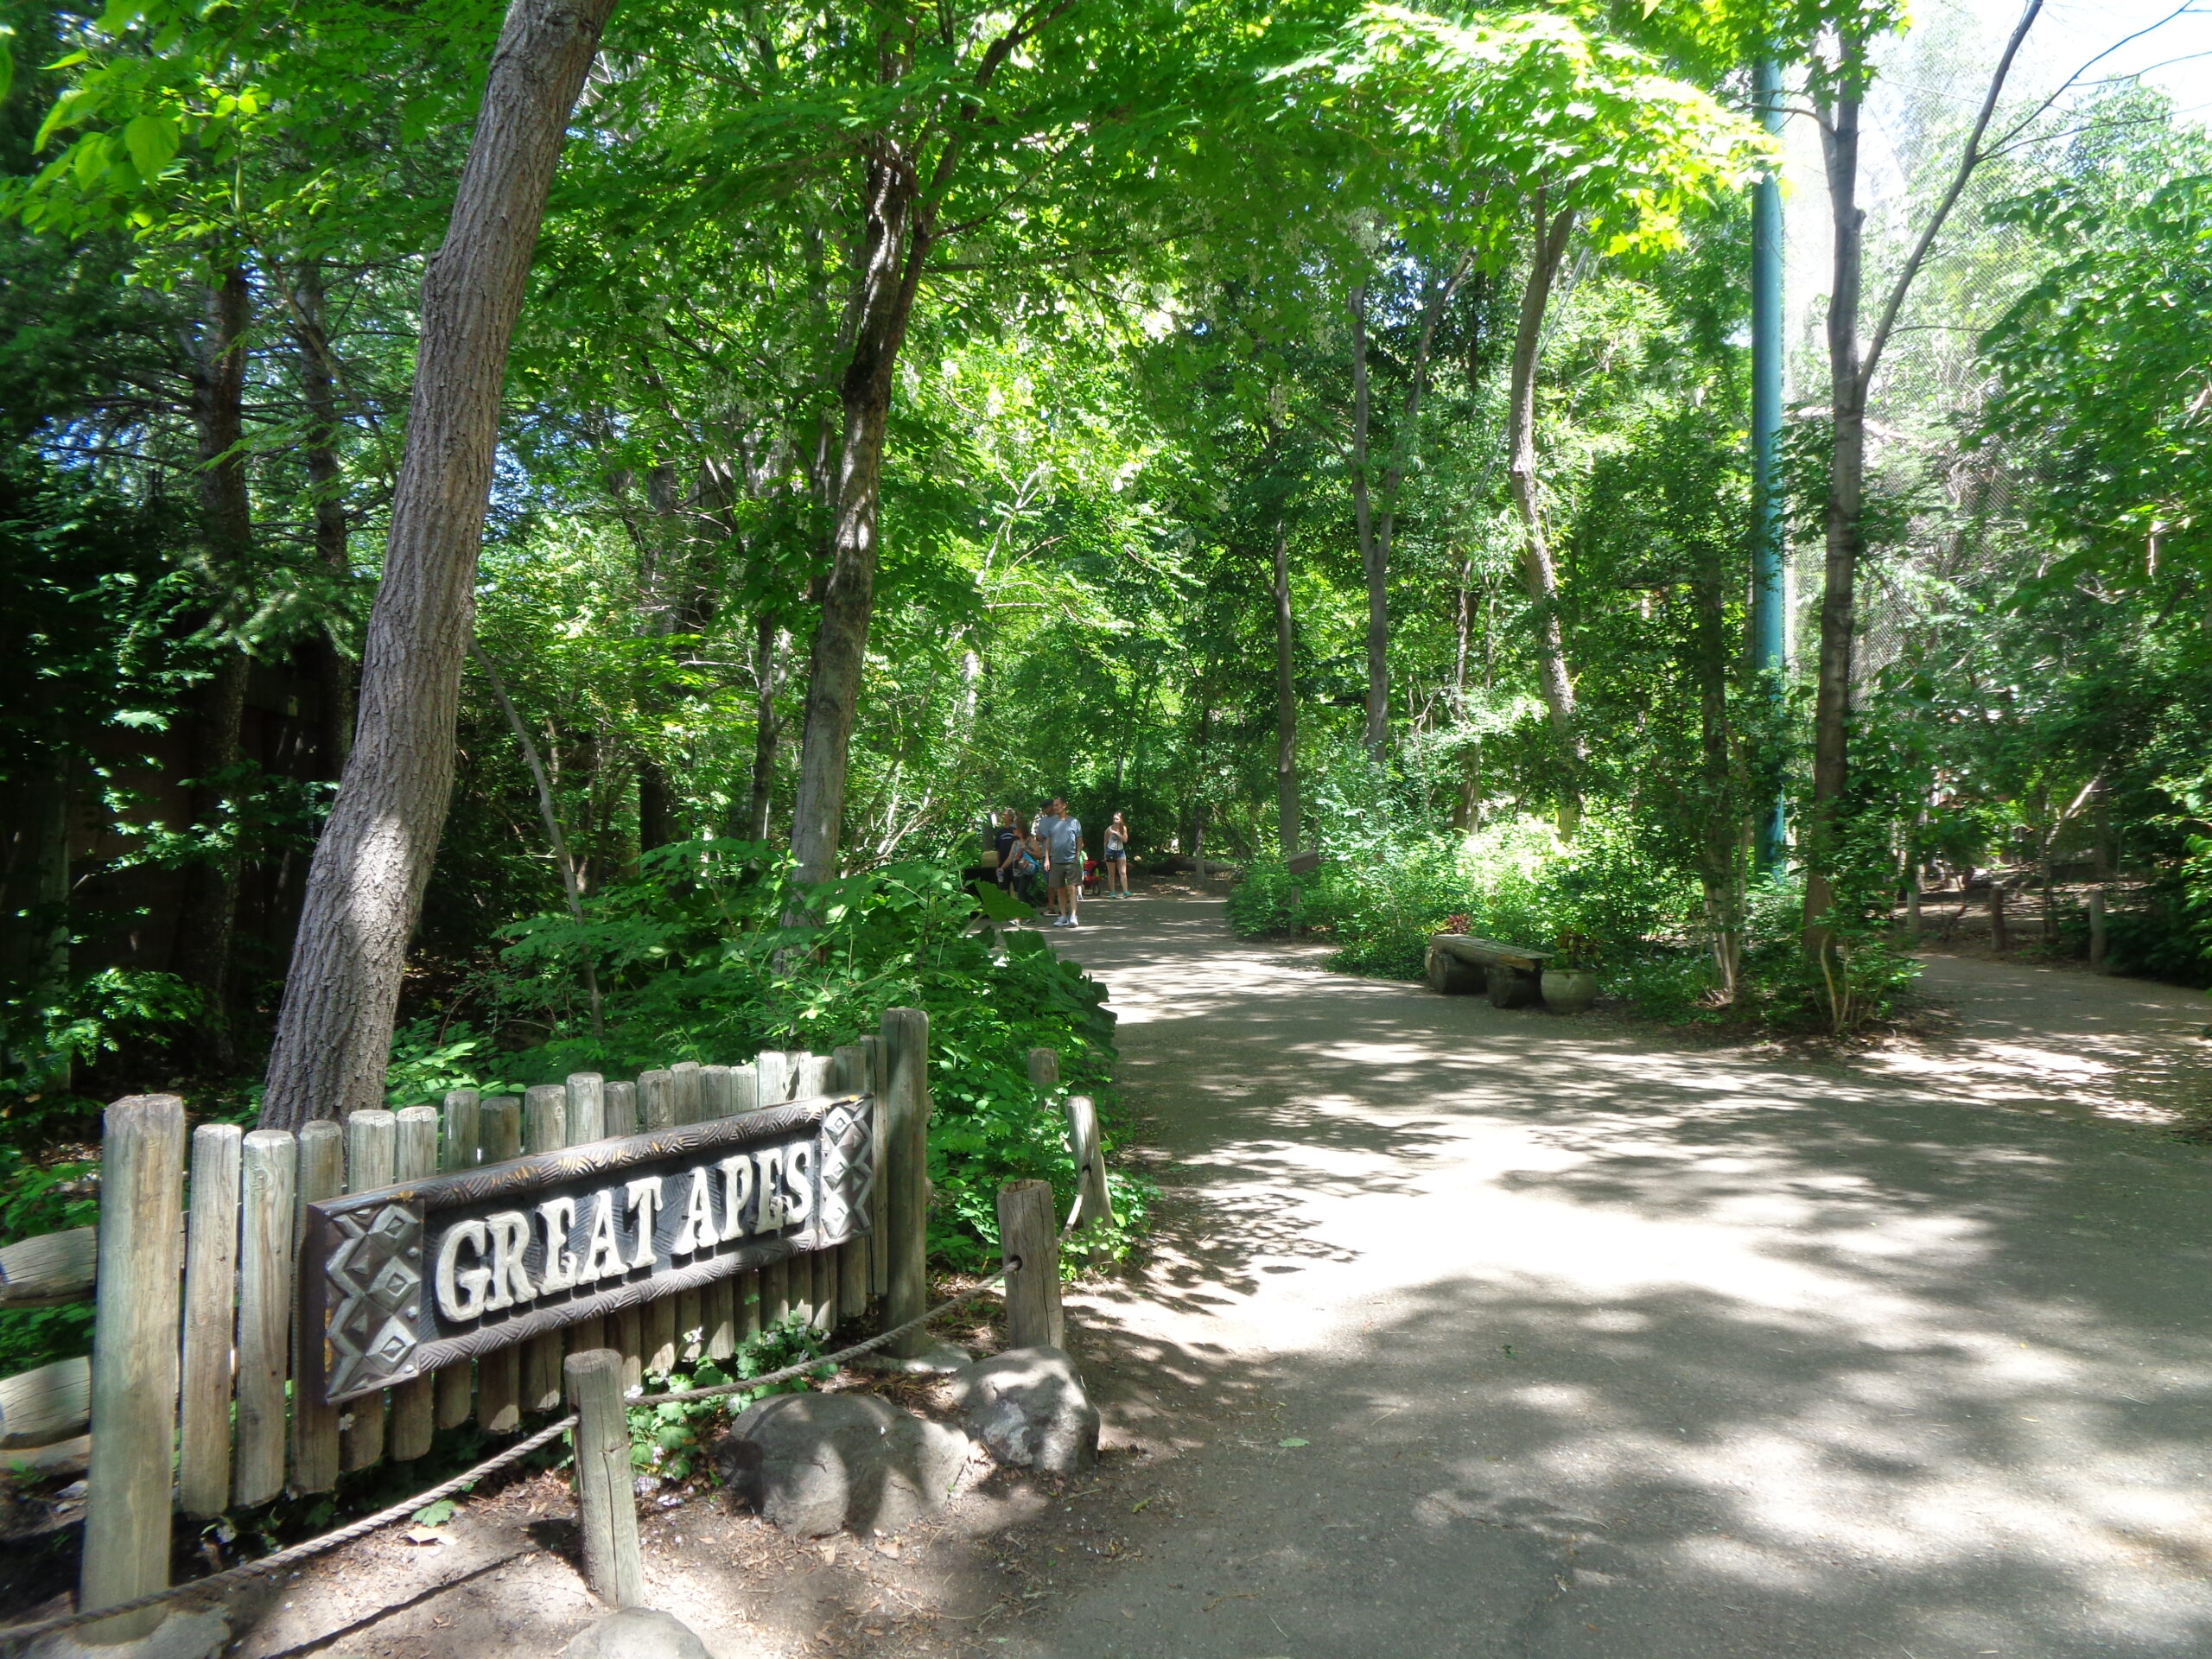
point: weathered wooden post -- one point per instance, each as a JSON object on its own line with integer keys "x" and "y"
{"x": 498, "y": 1374}
{"x": 879, "y": 1082}
{"x": 606, "y": 1499}
{"x": 626, "y": 1330}
{"x": 265, "y": 1265}
{"x": 1996, "y": 917}
{"x": 460, "y": 1146}
{"x": 126, "y": 1544}
{"x": 544, "y": 1129}
{"x": 1044, "y": 1068}
{"x": 1031, "y": 1249}
{"x": 2097, "y": 929}
{"x": 907, "y": 1101}
{"x": 414, "y": 1405}
{"x": 1912, "y": 907}
{"x": 211, "y": 1261}
{"x": 687, "y": 1081}
{"x": 314, "y": 1425}
{"x": 718, "y": 1301}
{"x": 371, "y": 1148}
{"x": 657, "y": 1110}
{"x": 1094, "y": 1202}
{"x": 773, "y": 1069}
{"x": 586, "y": 1102}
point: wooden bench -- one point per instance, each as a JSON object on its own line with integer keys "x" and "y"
{"x": 1461, "y": 964}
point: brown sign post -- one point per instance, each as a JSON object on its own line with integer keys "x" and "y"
{"x": 398, "y": 1282}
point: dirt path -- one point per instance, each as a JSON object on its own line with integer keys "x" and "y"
{"x": 1474, "y": 1332}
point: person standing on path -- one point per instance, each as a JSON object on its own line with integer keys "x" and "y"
{"x": 1117, "y": 856}
{"x": 1063, "y": 833}
{"x": 1006, "y": 843}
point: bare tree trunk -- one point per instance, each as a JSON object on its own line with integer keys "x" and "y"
{"x": 364, "y": 890}
{"x": 661, "y": 573}
{"x": 1370, "y": 556}
{"x": 1851, "y": 375}
{"x": 1286, "y": 824}
{"x": 333, "y": 669}
{"x": 893, "y": 252}
{"x": 766, "y": 660}
{"x": 1538, "y": 573}
{"x": 207, "y": 926}
{"x": 1843, "y": 516}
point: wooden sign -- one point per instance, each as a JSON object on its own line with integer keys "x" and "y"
{"x": 396, "y": 1283}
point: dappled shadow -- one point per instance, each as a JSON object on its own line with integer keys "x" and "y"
{"x": 1593, "y": 1345}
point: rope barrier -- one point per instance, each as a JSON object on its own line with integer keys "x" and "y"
{"x": 266, "y": 1565}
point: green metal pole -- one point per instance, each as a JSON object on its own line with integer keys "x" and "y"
{"x": 1767, "y": 618}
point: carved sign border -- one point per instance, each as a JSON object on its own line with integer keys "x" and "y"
{"x": 403, "y": 1215}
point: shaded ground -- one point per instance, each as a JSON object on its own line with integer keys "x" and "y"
{"x": 1477, "y": 1332}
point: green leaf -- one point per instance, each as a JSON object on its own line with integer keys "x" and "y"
{"x": 1292, "y": 1441}
{"x": 151, "y": 140}
{"x": 435, "y": 1515}
{"x": 1000, "y": 906}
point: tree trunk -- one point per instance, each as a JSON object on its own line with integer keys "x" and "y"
{"x": 206, "y": 924}
{"x": 334, "y": 668}
{"x": 1286, "y": 701}
{"x": 893, "y": 252}
{"x": 34, "y": 892}
{"x": 1372, "y": 559}
{"x": 1721, "y": 835}
{"x": 1538, "y": 573}
{"x": 767, "y": 652}
{"x": 663, "y": 574}
{"x": 1846, "y": 538}
{"x": 364, "y": 890}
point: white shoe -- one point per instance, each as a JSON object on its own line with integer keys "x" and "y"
{"x": 1073, "y": 923}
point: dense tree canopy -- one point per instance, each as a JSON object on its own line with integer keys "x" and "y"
{"x": 1319, "y": 428}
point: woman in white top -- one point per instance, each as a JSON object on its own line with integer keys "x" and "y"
{"x": 1117, "y": 857}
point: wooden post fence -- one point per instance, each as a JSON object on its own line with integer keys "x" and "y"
{"x": 905, "y": 1145}
{"x": 126, "y": 1548}
{"x": 192, "y": 1400}
{"x": 606, "y": 1498}
{"x": 1029, "y": 1245}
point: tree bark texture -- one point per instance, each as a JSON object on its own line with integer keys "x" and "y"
{"x": 767, "y": 658}
{"x": 1538, "y": 573}
{"x": 365, "y": 889}
{"x": 663, "y": 577}
{"x": 893, "y": 252}
{"x": 1845, "y": 506}
{"x": 333, "y": 669}
{"x": 207, "y": 930}
{"x": 1286, "y": 826}
{"x": 1371, "y": 560}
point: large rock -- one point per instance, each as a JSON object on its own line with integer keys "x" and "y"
{"x": 816, "y": 1462}
{"x": 1028, "y": 1406}
{"x": 638, "y": 1633}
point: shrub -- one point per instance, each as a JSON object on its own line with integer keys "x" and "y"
{"x": 710, "y": 951}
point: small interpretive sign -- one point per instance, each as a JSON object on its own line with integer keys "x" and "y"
{"x": 396, "y": 1283}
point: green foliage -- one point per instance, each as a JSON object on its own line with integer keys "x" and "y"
{"x": 709, "y": 952}
{"x": 669, "y": 1440}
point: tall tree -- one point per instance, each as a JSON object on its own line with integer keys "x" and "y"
{"x": 365, "y": 887}
{"x": 1839, "y": 80}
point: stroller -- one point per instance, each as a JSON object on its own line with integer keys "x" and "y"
{"x": 1093, "y": 877}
